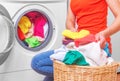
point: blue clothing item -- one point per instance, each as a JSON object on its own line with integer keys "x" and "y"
{"x": 106, "y": 49}
{"x": 42, "y": 63}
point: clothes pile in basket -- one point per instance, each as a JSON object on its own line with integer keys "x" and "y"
{"x": 82, "y": 49}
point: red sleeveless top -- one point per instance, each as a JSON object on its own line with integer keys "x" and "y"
{"x": 90, "y": 15}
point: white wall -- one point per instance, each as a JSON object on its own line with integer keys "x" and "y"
{"x": 115, "y": 39}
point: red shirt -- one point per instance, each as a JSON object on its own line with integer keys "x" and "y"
{"x": 90, "y": 15}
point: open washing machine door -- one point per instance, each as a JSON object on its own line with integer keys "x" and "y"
{"x": 4, "y": 12}
{"x": 6, "y": 34}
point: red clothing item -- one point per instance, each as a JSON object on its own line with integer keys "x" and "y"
{"x": 90, "y": 15}
{"x": 20, "y": 34}
{"x": 85, "y": 40}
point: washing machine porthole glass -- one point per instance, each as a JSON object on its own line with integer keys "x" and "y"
{"x": 34, "y": 30}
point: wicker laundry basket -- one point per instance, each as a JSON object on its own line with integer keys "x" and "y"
{"x": 118, "y": 76}
{"x": 63, "y": 72}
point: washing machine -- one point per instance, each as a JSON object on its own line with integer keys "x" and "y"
{"x": 28, "y": 27}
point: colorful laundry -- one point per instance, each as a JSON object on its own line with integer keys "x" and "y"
{"x": 94, "y": 55}
{"x": 67, "y": 41}
{"x": 85, "y": 40}
{"x": 33, "y": 15}
{"x": 59, "y": 54}
{"x": 106, "y": 49}
{"x": 39, "y": 26}
{"x": 39, "y": 21}
{"x": 24, "y": 24}
{"x": 33, "y": 42}
{"x": 32, "y": 28}
{"x": 30, "y": 32}
{"x": 20, "y": 34}
{"x": 75, "y": 35}
{"x": 75, "y": 57}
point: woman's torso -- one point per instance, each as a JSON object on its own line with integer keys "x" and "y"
{"x": 90, "y": 15}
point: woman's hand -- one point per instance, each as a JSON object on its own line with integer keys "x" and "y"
{"x": 100, "y": 37}
{"x": 63, "y": 39}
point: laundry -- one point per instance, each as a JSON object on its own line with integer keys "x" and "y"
{"x": 71, "y": 46}
{"x": 75, "y": 35}
{"x": 46, "y": 29}
{"x": 91, "y": 53}
{"x": 30, "y": 32}
{"x": 25, "y": 24}
{"x": 106, "y": 49}
{"x": 94, "y": 54}
{"x": 20, "y": 34}
{"x": 39, "y": 22}
{"x": 39, "y": 26}
{"x": 33, "y": 24}
{"x": 33, "y": 41}
{"x": 59, "y": 54}
{"x": 75, "y": 57}
{"x": 33, "y": 15}
{"x": 67, "y": 41}
{"x": 85, "y": 40}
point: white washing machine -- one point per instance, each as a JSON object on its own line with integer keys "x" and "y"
{"x": 19, "y": 20}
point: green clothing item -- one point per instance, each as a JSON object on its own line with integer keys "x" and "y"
{"x": 32, "y": 42}
{"x": 75, "y": 57}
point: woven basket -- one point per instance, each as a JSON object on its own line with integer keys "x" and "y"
{"x": 63, "y": 72}
{"x": 118, "y": 76}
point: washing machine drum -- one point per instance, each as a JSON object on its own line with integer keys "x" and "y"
{"x": 6, "y": 37}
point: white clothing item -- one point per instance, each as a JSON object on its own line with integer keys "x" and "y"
{"x": 93, "y": 54}
{"x": 110, "y": 60}
{"x": 46, "y": 29}
{"x": 61, "y": 49}
{"x": 59, "y": 54}
{"x": 71, "y": 46}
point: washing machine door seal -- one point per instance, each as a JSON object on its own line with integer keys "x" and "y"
{"x": 6, "y": 34}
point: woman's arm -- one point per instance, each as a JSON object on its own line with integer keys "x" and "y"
{"x": 70, "y": 20}
{"x": 114, "y": 6}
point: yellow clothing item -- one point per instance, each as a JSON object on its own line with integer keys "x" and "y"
{"x": 24, "y": 24}
{"x": 75, "y": 35}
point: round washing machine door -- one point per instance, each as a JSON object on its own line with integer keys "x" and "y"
{"x": 34, "y": 26}
{"x": 6, "y": 34}
{"x": 4, "y": 12}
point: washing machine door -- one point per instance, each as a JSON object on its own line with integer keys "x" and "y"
{"x": 34, "y": 27}
{"x": 6, "y": 34}
{"x": 4, "y": 12}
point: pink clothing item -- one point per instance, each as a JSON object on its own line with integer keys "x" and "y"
{"x": 39, "y": 21}
{"x": 33, "y": 15}
{"x": 39, "y": 26}
{"x": 85, "y": 40}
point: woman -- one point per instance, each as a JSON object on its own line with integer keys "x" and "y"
{"x": 90, "y": 15}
